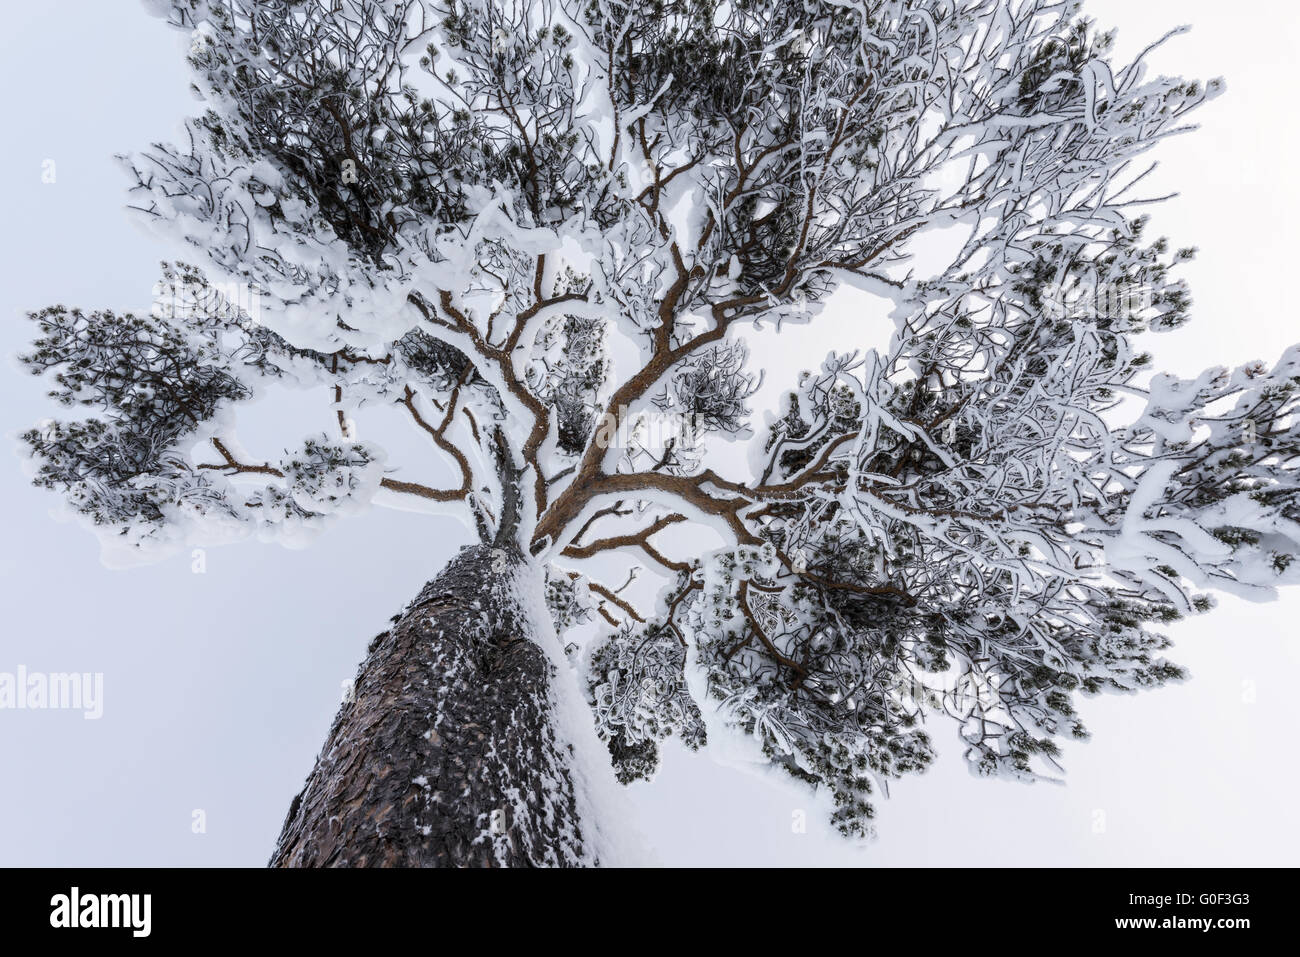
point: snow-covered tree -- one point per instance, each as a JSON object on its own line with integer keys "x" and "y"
{"x": 544, "y": 232}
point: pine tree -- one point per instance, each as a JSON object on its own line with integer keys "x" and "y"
{"x": 542, "y": 231}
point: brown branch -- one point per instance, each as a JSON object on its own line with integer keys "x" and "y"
{"x": 439, "y": 439}
{"x": 752, "y": 620}
{"x": 615, "y": 509}
{"x": 504, "y": 359}
{"x": 424, "y": 491}
{"x": 233, "y": 467}
{"x": 609, "y": 596}
{"x": 636, "y": 539}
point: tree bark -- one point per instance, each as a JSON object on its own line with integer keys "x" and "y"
{"x": 448, "y": 753}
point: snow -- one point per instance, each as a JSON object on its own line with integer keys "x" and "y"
{"x": 604, "y": 809}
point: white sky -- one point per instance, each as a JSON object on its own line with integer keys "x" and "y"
{"x": 219, "y": 687}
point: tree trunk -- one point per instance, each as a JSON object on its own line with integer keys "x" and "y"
{"x": 449, "y": 752}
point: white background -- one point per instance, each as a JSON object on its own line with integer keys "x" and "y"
{"x": 219, "y": 687}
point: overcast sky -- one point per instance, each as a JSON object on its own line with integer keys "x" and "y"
{"x": 219, "y": 687}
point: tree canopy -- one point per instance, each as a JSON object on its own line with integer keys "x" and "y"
{"x": 539, "y": 228}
